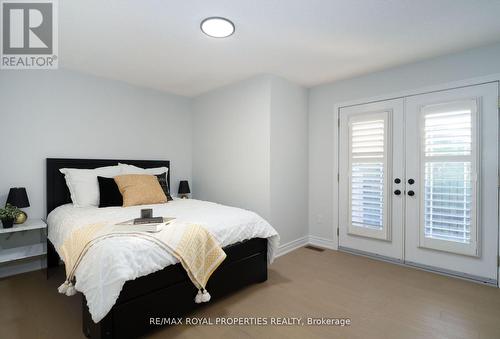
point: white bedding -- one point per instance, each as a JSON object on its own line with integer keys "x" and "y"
{"x": 111, "y": 262}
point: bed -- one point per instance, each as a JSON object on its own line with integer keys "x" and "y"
{"x": 166, "y": 292}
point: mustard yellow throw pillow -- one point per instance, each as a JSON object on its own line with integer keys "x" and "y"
{"x": 140, "y": 189}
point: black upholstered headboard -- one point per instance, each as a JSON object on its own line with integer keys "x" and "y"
{"x": 57, "y": 191}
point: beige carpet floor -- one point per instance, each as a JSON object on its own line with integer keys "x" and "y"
{"x": 382, "y": 301}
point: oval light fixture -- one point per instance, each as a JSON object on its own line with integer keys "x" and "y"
{"x": 217, "y": 27}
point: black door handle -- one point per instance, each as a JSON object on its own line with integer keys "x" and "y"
{"x": 397, "y": 192}
{"x": 411, "y": 181}
{"x": 411, "y": 193}
{"x": 397, "y": 181}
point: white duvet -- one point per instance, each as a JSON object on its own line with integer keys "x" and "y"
{"x": 111, "y": 262}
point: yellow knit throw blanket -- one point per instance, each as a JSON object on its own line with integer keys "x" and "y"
{"x": 194, "y": 247}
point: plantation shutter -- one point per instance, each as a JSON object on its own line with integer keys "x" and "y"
{"x": 368, "y": 169}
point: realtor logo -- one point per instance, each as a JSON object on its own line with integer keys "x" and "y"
{"x": 29, "y": 34}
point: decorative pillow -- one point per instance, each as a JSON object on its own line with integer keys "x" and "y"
{"x": 140, "y": 189}
{"x": 83, "y": 186}
{"x": 109, "y": 194}
{"x": 131, "y": 169}
{"x": 162, "y": 179}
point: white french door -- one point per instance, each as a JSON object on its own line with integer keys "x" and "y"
{"x": 418, "y": 180}
{"x": 452, "y": 215}
{"x": 371, "y": 153}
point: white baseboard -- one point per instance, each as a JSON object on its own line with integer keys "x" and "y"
{"x": 322, "y": 242}
{"x": 292, "y": 245}
{"x": 22, "y": 266}
{"x": 307, "y": 240}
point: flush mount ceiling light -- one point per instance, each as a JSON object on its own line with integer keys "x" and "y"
{"x": 217, "y": 27}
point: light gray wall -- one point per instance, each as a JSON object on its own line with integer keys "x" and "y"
{"x": 231, "y": 152}
{"x": 468, "y": 64}
{"x": 67, "y": 114}
{"x": 250, "y": 151}
{"x": 289, "y": 159}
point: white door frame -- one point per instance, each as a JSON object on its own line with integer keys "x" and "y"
{"x": 387, "y": 242}
{"x": 393, "y": 95}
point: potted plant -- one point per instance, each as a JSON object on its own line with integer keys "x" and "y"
{"x": 8, "y": 214}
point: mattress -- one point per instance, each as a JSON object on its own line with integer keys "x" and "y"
{"x": 111, "y": 262}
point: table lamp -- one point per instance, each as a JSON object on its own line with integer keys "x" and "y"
{"x": 19, "y": 198}
{"x": 184, "y": 189}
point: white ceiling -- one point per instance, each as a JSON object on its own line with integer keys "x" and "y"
{"x": 158, "y": 43}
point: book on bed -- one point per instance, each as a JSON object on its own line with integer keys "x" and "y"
{"x": 146, "y": 224}
{"x": 148, "y": 221}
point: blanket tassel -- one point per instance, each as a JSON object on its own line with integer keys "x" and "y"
{"x": 67, "y": 288}
{"x": 205, "y": 296}
{"x": 63, "y": 288}
{"x": 71, "y": 290}
{"x": 197, "y": 299}
{"x": 202, "y": 297}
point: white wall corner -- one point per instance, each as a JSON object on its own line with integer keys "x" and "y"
{"x": 292, "y": 245}
{"x": 323, "y": 242}
{"x": 330, "y": 244}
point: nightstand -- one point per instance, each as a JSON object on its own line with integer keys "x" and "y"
{"x": 16, "y": 249}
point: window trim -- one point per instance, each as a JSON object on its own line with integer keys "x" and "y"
{"x": 385, "y": 232}
{"x": 472, "y": 248}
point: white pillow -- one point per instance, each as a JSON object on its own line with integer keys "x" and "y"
{"x": 83, "y": 185}
{"x": 131, "y": 169}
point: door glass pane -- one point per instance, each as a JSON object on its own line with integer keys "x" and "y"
{"x": 367, "y": 173}
{"x": 367, "y": 195}
{"x": 447, "y": 202}
{"x": 448, "y": 133}
{"x": 448, "y": 172}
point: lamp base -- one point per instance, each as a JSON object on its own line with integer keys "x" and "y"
{"x": 21, "y": 218}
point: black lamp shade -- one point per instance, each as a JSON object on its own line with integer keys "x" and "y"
{"x": 18, "y": 197}
{"x": 184, "y": 187}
